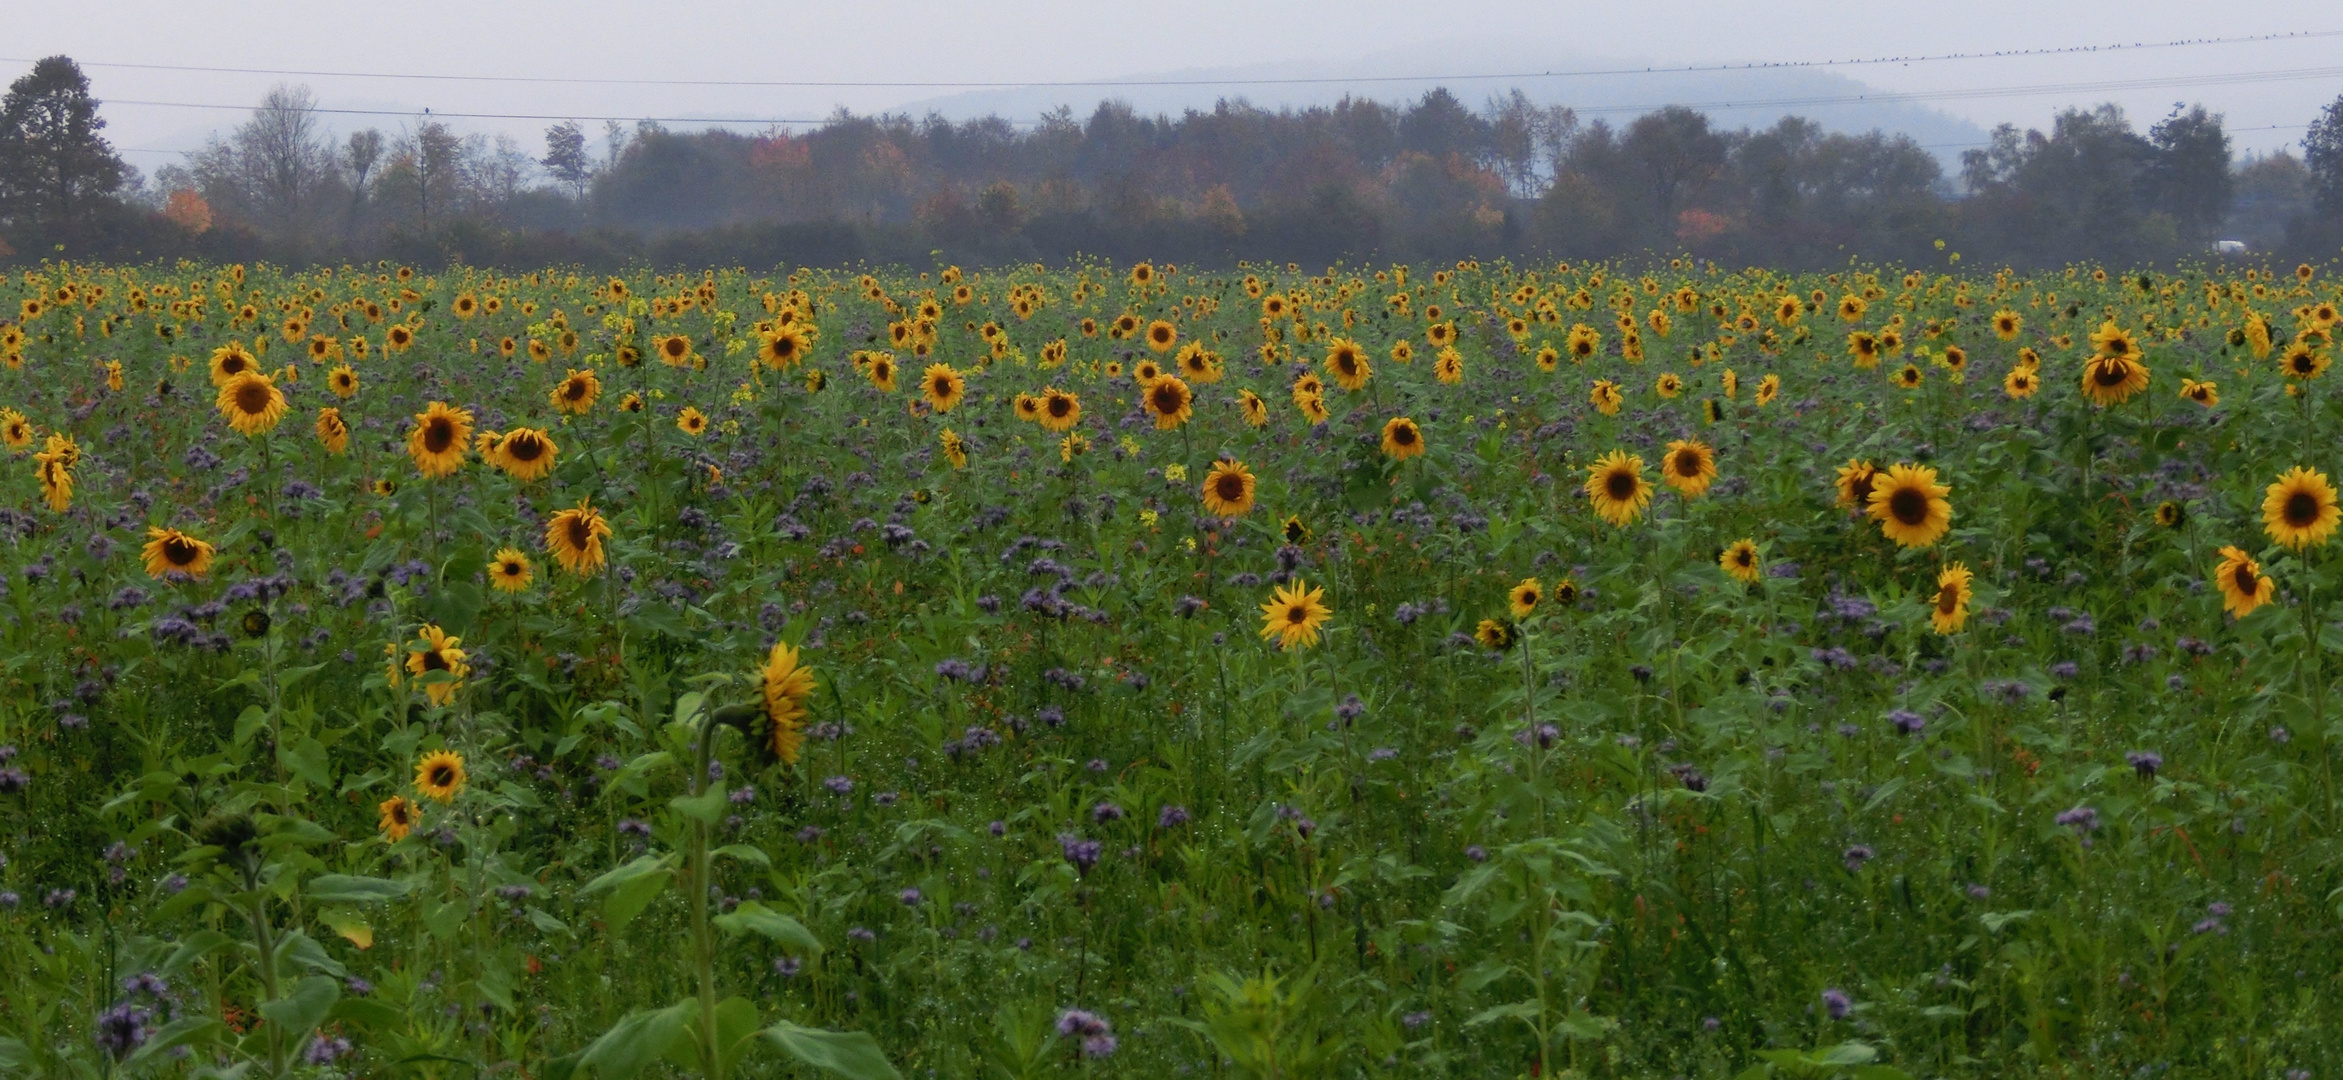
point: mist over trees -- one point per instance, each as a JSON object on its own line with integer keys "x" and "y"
{"x": 1434, "y": 178}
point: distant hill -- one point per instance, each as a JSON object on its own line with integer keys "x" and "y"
{"x": 1733, "y": 98}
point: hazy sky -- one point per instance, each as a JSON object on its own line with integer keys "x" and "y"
{"x": 1054, "y": 40}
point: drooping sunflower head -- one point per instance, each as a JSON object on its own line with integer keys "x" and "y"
{"x": 1910, "y": 506}
{"x": 2299, "y": 510}
{"x": 574, "y": 536}
{"x": 231, "y": 360}
{"x": 440, "y": 775}
{"x": 1494, "y": 635}
{"x": 1950, "y": 609}
{"x": 398, "y": 818}
{"x": 784, "y": 684}
{"x": 1228, "y": 489}
{"x": 1402, "y": 439}
{"x": 2243, "y": 588}
{"x": 1690, "y": 466}
{"x": 1617, "y": 489}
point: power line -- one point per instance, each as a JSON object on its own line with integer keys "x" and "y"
{"x": 2066, "y": 50}
{"x": 1877, "y": 97}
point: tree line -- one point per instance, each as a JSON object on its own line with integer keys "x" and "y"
{"x": 1429, "y": 179}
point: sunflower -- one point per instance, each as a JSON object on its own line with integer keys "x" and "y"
{"x": 576, "y": 392}
{"x": 438, "y": 439}
{"x": 1146, "y": 371}
{"x": 691, "y": 421}
{"x": 1293, "y": 615}
{"x": 1855, "y": 480}
{"x": 1402, "y": 439}
{"x": 398, "y": 818}
{"x": 1228, "y": 489}
{"x": 1768, "y": 389}
{"x": 1908, "y": 377}
{"x": 955, "y": 448}
{"x": 62, "y": 447}
{"x": 1256, "y": 410}
{"x": 1852, "y": 307}
{"x": 466, "y": 305}
{"x": 2111, "y": 380}
{"x": 398, "y": 338}
{"x": 56, "y": 481}
{"x": 1616, "y": 487}
{"x": 1058, "y": 410}
{"x": 784, "y": 685}
{"x": 15, "y": 430}
{"x": 1951, "y": 606}
{"x": 881, "y": 372}
{"x": 439, "y": 652}
{"x": 1689, "y": 467}
{"x": 1440, "y": 334}
{"x": 342, "y": 381}
{"x": 251, "y": 403}
{"x": 2299, "y": 510}
{"x": 1448, "y": 367}
{"x": 674, "y": 350}
{"x": 2170, "y": 514}
{"x": 2020, "y": 383}
{"x": 942, "y": 387}
{"x": 1523, "y": 598}
{"x": 1402, "y": 351}
{"x": 440, "y": 775}
{"x": 1168, "y": 401}
{"x": 2203, "y": 393}
{"x": 2007, "y": 323}
{"x": 509, "y": 571}
{"x": 1864, "y": 348}
{"x": 526, "y": 453}
{"x": 332, "y": 433}
{"x": 1740, "y": 560}
{"x": 384, "y": 487}
{"x": 2243, "y": 588}
{"x": 1162, "y": 335}
{"x": 1606, "y": 397}
{"x": 783, "y": 348}
{"x": 231, "y": 360}
{"x": 1910, "y": 505}
{"x": 1293, "y": 531}
{"x": 1730, "y": 382}
{"x": 2029, "y": 360}
{"x": 1347, "y": 363}
{"x": 2301, "y": 361}
{"x": 1494, "y": 636}
{"x": 575, "y": 538}
{"x": 1026, "y": 407}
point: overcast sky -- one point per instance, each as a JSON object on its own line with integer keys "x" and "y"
{"x": 1057, "y": 40}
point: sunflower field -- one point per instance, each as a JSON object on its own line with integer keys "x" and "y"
{"x": 1486, "y": 670}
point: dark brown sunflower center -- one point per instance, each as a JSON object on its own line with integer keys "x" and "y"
{"x": 252, "y": 399}
{"x": 2244, "y": 578}
{"x": 1403, "y": 435}
{"x": 524, "y": 447}
{"x": 1059, "y": 407}
{"x": 1948, "y": 599}
{"x": 399, "y": 814}
{"x": 1908, "y": 505}
{"x": 580, "y": 533}
{"x": 943, "y": 386}
{"x": 2302, "y": 508}
{"x": 233, "y": 365}
{"x": 434, "y": 661}
{"x": 2111, "y": 373}
{"x": 1166, "y": 399}
{"x": 1743, "y": 557}
{"x": 677, "y": 346}
{"x": 1687, "y": 464}
{"x": 1230, "y": 487}
{"x": 1619, "y": 485}
{"x": 1296, "y": 613}
{"x": 438, "y": 435}
{"x": 442, "y": 776}
{"x": 180, "y": 552}
{"x": 574, "y": 389}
